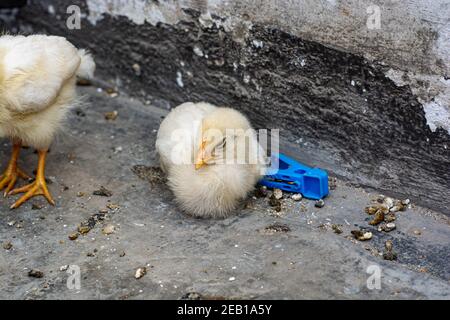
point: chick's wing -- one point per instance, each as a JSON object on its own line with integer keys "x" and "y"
{"x": 34, "y": 71}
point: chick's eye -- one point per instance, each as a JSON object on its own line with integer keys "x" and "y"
{"x": 219, "y": 147}
{"x": 222, "y": 144}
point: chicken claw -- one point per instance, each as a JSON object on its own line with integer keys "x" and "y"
{"x": 9, "y": 178}
{"x": 37, "y": 188}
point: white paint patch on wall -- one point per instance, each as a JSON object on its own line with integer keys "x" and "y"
{"x": 432, "y": 91}
{"x": 138, "y": 11}
{"x": 437, "y": 115}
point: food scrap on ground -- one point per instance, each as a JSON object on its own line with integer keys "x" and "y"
{"x": 154, "y": 175}
{"x": 140, "y": 272}
{"x": 361, "y": 235}
{"x": 102, "y": 192}
{"x": 276, "y": 228}
{"x": 111, "y": 116}
{"x": 7, "y": 245}
{"x": 33, "y": 273}
{"x": 108, "y": 229}
{"x": 389, "y": 254}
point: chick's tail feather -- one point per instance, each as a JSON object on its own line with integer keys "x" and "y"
{"x": 87, "y": 65}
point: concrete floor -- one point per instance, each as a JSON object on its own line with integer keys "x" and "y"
{"x": 232, "y": 258}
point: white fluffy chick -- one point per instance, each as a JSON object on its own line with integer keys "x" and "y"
{"x": 37, "y": 87}
{"x": 211, "y": 156}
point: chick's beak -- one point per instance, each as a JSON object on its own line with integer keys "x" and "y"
{"x": 199, "y": 165}
{"x": 200, "y": 160}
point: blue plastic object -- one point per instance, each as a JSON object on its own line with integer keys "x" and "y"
{"x": 293, "y": 176}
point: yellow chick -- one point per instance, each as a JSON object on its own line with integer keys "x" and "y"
{"x": 37, "y": 88}
{"x": 211, "y": 156}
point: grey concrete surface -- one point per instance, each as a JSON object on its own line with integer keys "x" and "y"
{"x": 232, "y": 258}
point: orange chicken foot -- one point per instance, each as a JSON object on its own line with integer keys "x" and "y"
{"x": 38, "y": 187}
{"x": 9, "y": 178}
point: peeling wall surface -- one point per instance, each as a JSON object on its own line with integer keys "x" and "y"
{"x": 411, "y": 35}
{"x": 366, "y": 98}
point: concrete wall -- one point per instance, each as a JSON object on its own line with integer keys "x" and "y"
{"x": 369, "y": 104}
{"x": 413, "y": 37}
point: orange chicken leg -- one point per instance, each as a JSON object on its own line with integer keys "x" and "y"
{"x": 9, "y": 178}
{"x": 38, "y": 187}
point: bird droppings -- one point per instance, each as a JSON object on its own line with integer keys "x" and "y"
{"x": 258, "y": 43}
{"x": 386, "y": 227}
{"x": 36, "y": 206}
{"x": 111, "y": 115}
{"x": 276, "y": 228}
{"x": 84, "y": 229}
{"x": 384, "y": 209}
{"x": 198, "y": 51}
{"x": 33, "y": 273}
{"x": 390, "y": 217}
{"x": 112, "y": 92}
{"x": 102, "y": 192}
{"x": 361, "y": 235}
{"x": 11, "y": 223}
{"x": 179, "y": 79}
{"x": 303, "y": 208}
{"x": 92, "y": 253}
{"x": 154, "y": 175}
{"x": 74, "y": 236}
{"x": 192, "y": 296}
{"x": 332, "y": 183}
{"x": 319, "y": 203}
{"x": 7, "y": 245}
{"x": 140, "y": 272}
{"x": 389, "y": 202}
{"x": 137, "y": 69}
{"x": 337, "y": 228}
{"x": 277, "y": 194}
{"x": 297, "y": 197}
{"x": 389, "y": 254}
{"x": 261, "y": 192}
{"x": 108, "y": 229}
{"x": 406, "y": 202}
{"x": 371, "y": 210}
{"x": 275, "y": 203}
{"x": 388, "y": 245}
{"x": 379, "y": 217}
{"x": 249, "y": 203}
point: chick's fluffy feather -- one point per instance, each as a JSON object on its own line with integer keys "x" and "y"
{"x": 215, "y": 190}
{"x": 37, "y": 85}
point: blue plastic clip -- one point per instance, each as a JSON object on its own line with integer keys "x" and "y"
{"x": 293, "y": 176}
